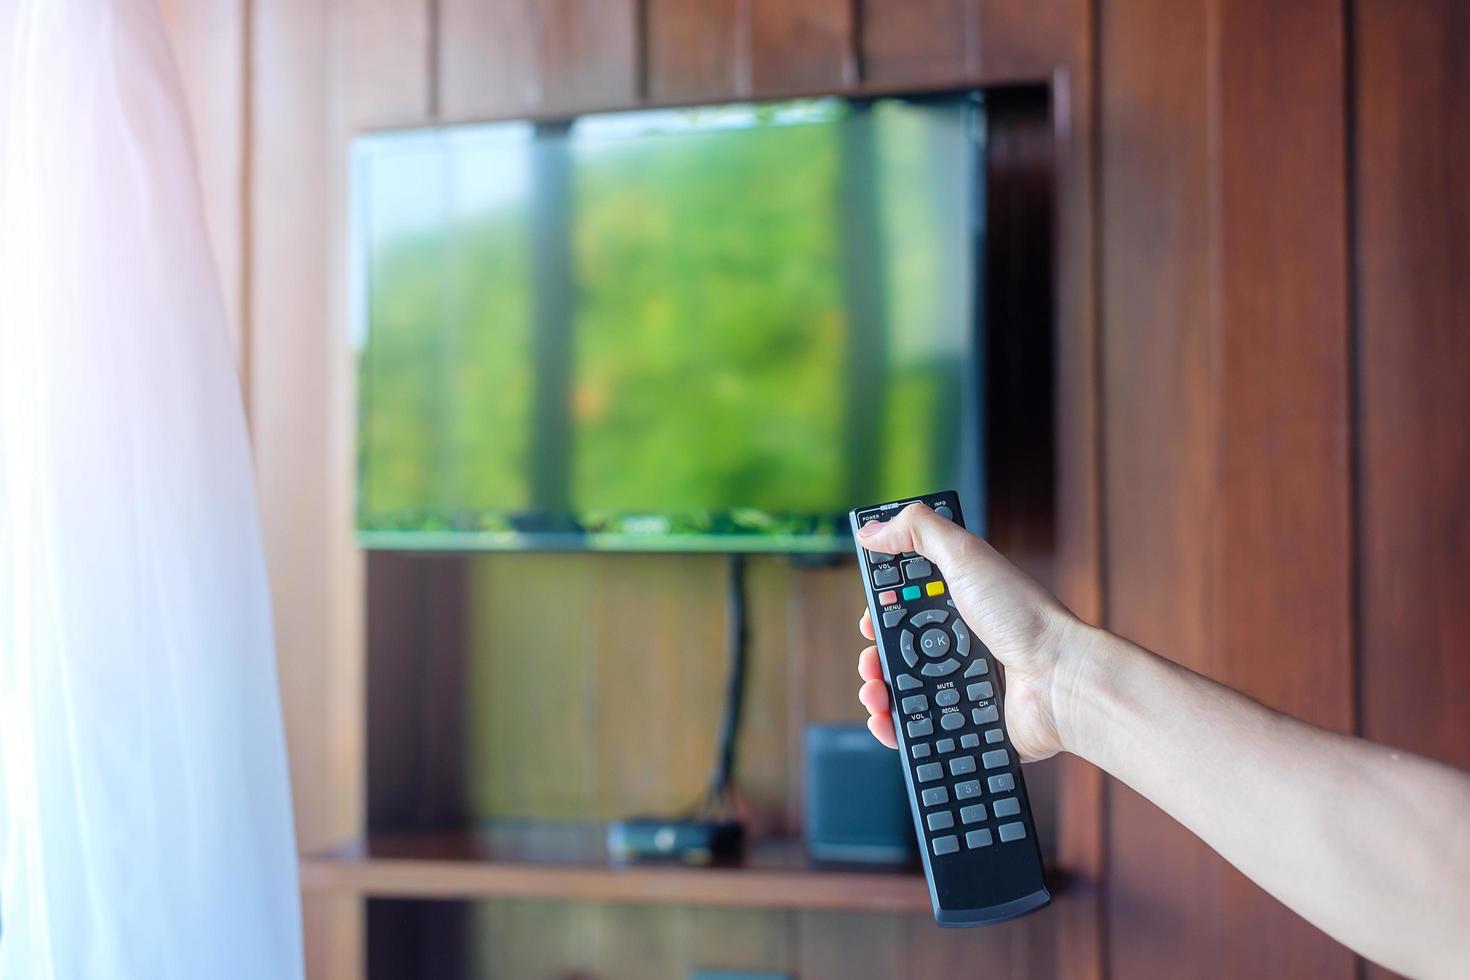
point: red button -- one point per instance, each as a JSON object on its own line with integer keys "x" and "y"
{"x": 887, "y": 598}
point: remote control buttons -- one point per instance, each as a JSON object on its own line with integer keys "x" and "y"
{"x": 980, "y": 691}
{"x": 910, "y": 592}
{"x": 906, "y": 647}
{"x": 917, "y": 569}
{"x": 943, "y": 511}
{"x": 979, "y": 838}
{"x": 961, "y": 638}
{"x": 914, "y": 704}
{"x": 942, "y": 669}
{"x": 969, "y": 741}
{"x": 936, "y": 796}
{"x": 1012, "y": 831}
{"x": 934, "y": 643}
{"x": 962, "y": 765}
{"x": 885, "y": 575}
{"x": 919, "y": 750}
{"x": 947, "y": 698}
{"x": 995, "y": 758}
{"x": 942, "y": 820}
{"x": 967, "y": 790}
{"x": 887, "y": 599}
{"x": 920, "y": 728}
{"x": 994, "y": 736}
{"x": 1002, "y": 783}
{"x": 975, "y": 813}
{"x": 947, "y": 845}
{"x": 952, "y": 721}
{"x": 928, "y": 617}
{"x": 893, "y": 616}
{"x": 908, "y": 683}
{"x": 879, "y": 558}
{"x": 1008, "y": 807}
{"x": 979, "y": 667}
{"x": 929, "y": 772}
{"x": 984, "y": 716}
{"x": 934, "y": 588}
{"x": 944, "y": 745}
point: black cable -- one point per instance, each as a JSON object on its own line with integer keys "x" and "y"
{"x": 723, "y": 775}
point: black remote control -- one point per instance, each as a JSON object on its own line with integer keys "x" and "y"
{"x": 971, "y": 812}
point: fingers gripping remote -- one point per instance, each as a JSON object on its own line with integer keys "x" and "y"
{"x": 971, "y": 813}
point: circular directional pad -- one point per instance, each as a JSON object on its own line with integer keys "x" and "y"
{"x": 934, "y": 643}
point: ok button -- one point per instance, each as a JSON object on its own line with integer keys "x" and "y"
{"x": 934, "y": 643}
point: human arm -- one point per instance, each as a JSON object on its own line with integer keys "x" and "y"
{"x": 1369, "y": 844}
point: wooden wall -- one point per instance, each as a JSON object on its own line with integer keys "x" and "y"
{"x": 1263, "y": 234}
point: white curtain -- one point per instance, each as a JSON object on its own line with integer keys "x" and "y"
{"x": 145, "y": 822}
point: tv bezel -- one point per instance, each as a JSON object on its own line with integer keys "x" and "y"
{"x": 969, "y": 471}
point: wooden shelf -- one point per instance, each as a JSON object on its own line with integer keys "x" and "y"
{"x": 570, "y": 862}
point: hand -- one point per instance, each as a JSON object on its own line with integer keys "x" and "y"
{"x": 1024, "y": 626}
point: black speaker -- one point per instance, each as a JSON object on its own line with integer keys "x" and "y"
{"x": 856, "y": 806}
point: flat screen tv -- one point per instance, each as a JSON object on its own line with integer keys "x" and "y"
{"x": 700, "y": 329}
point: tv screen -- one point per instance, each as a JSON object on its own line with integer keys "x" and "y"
{"x": 714, "y": 328}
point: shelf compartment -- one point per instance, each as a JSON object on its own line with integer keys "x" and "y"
{"x": 571, "y": 863}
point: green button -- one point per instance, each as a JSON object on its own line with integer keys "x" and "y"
{"x": 911, "y": 592}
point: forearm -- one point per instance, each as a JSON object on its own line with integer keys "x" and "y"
{"x": 1371, "y": 845}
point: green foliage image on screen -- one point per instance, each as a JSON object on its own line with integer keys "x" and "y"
{"x": 682, "y": 329}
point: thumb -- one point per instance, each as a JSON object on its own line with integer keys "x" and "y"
{"x": 918, "y": 529}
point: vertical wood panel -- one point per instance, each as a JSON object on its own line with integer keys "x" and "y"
{"x": 692, "y": 49}
{"x": 1413, "y": 234}
{"x": 1283, "y": 594}
{"x": 1413, "y": 205}
{"x": 589, "y": 53}
{"x": 1164, "y": 901}
{"x": 506, "y": 57}
{"x": 209, "y": 43}
{"x": 1033, "y": 38}
{"x": 317, "y": 71}
{"x": 488, "y": 57}
{"x": 916, "y": 41}
{"x": 294, "y": 376}
{"x": 384, "y": 56}
{"x": 1227, "y": 425}
{"x": 801, "y": 47}
{"x": 1078, "y": 539}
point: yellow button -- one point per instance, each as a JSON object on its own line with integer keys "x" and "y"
{"x": 934, "y": 588}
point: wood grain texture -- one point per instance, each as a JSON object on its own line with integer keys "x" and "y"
{"x": 488, "y": 58}
{"x": 912, "y": 41}
{"x": 1412, "y": 142}
{"x": 590, "y": 53}
{"x": 1283, "y": 535}
{"x": 1413, "y": 205}
{"x": 1164, "y": 898}
{"x": 384, "y": 56}
{"x": 1228, "y": 472}
{"x": 568, "y": 860}
{"x": 800, "y": 47}
{"x": 318, "y": 71}
{"x": 692, "y": 49}
{"x": 1035, "y": 38}
{"x": 297, "y": 368}
{"x": 1077, "y": 556}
